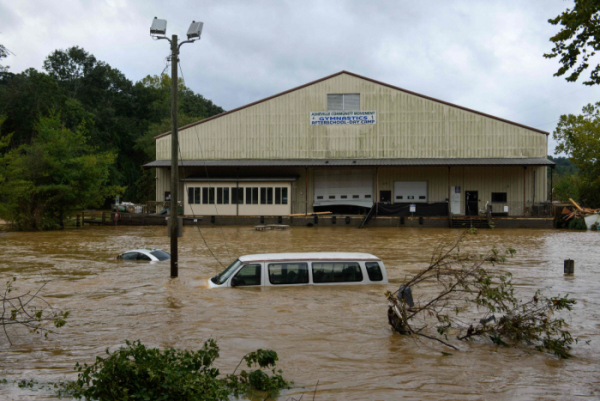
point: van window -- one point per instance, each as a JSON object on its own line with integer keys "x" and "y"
{"x": 249, "y": 275}
{"x": 288, "y": 273}
{"x": 336, "y": 272}
{"x": 374, "y": 271}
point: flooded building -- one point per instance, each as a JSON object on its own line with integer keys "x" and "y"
{"x": 344, "y": 143}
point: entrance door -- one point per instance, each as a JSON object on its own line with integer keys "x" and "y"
{"x": 471, "y": 203}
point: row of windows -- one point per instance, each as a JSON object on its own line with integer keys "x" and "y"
{"x": 268, "y": 195}
{"x": 345, "y": 197}
{"x": 297, "y": 273}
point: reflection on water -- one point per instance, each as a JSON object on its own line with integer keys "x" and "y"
{"x": 338, "y": 335}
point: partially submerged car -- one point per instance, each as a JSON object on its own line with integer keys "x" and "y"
{"x": 149, "y": 255}
{"x": 313, "y": 268}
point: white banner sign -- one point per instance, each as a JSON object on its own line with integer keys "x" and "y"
{"x": 342, "y": 117}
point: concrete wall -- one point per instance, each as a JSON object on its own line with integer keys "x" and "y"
{"x": 408, "y": 126}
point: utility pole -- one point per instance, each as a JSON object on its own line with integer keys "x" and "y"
{"x": 159, "y": 27}
{"x": 173, "y": 220}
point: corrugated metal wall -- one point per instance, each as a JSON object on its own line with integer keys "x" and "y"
{"x": 408, "y": 126}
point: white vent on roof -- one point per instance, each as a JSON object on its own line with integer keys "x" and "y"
{"x": 343, "y": 102}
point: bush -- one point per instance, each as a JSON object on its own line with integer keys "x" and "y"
{"x": 136, "y": 372}
{"x": 577, "y": 224}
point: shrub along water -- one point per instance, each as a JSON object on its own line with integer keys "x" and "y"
{"x": 136, "y": 372}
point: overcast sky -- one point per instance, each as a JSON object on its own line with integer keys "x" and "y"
{"x": 485, "y": 55}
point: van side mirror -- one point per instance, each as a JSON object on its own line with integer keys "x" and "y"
{"x": 235, "y": 281}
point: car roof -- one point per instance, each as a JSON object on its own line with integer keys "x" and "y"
{"x": 308, "y": 256}
{"x": 143, "y": 250}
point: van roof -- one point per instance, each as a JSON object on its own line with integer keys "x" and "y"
{"x": 307, "y": 256}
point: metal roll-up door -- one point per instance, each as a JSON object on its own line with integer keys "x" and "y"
{"x": 343, "y": 187}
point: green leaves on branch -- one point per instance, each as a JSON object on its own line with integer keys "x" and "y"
{"x": 28, "y": 310}
{"x": 463, "y": 296}
{"x": 577, "y": 41}
{"x": 136, "y": 372}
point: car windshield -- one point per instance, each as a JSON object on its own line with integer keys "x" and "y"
{"x": 160, "y": 255}
{"x": 224, "y": 275}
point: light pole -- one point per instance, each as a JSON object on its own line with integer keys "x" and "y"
{"x": 159, "y": 27}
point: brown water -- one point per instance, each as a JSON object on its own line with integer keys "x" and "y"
{"x": 337, "y": 335}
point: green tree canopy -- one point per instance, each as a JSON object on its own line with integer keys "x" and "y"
{"x": 578, "y": 136}
{"x": 44, "y": 182}
{"x": 577, "y": 41}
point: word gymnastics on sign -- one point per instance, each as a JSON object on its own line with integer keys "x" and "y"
{"x": 342, "y": 117}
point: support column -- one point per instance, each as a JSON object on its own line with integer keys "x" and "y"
{"x": 551, "y": 185}
{"x": 524, "y": 189}
{"x": 306, "y": 192}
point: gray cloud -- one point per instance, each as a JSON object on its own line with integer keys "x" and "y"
{"x": 484, "y": 55}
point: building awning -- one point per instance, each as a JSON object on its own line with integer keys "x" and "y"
{"x": 230, "y": 179}
{"x": 530, "y": 161}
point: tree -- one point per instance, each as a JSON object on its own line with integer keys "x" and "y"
{"x": 28, "y": 310}
{"x": 577, "y": 41}
{"x": 4, "y": 52}
{"x": 45, "y": 182}
{"x": 463, "y": 293}
{"x": 578, "y": 136}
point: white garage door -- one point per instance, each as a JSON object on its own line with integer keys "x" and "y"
{"x": 410, "y": 192}
{"x": 343, "y": 187}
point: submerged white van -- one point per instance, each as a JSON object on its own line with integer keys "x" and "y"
{"x": 314, "y": 268}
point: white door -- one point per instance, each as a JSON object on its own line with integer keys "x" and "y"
{"x": 410, "y": 192}
{"x": 344, "y": 187}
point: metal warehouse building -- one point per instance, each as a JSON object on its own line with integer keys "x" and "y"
{"x": 346, "y": 142}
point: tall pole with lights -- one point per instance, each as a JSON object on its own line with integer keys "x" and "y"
{"x": 159, "y": 27}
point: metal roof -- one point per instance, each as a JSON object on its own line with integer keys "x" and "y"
{"x": 307, "y": 256}
{"x": 233, "y": 179}
{"x": 366, "y": 79}
{"x": 530, "y": 161}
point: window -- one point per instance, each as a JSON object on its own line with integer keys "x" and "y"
{"x": 237, "y": 195}
{"x": 269, "y": 196}
{"x": 399, "y": 197}
{"x": 161, "y": 255}
{"x": 355, "y": 196}
{"x": 339, "y": 272}
{"x": 368, "y": 196}
{"x": 344, "y": 196}
{"x": 141, "y": 256}
{"x": 288, "y": 273}
{"x": 255, "y": 196}
{"x": 331, "y": 196}
{"x": 248, "y": 196}
{"x": 129, "y": 256}
{"x": 284, "y": 196}
{"x": 205, "y": 196}
{"x": 219, "y": 196}
{"x": 345, "y": 101}
{"x": 211, "y": 196}
{"x": 278, "y": 196}
{"x": 374, "y": 271}
{"x": 197, "y": 196}
{"x": 248, "y": 275}
{"x": 226, "y": 196}
{"x": 190, "y": 196}
{"x": 319, "y": 197}
{"x": 263, "y": 196}
{"x": 422, "y": 197}
{"x": 498, "y": 197}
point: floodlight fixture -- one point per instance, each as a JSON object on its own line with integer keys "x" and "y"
{"x": 195, "y": 30}
{"x": 159, "y": 27}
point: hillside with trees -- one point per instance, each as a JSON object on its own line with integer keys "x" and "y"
{"x": 111, "y": 119}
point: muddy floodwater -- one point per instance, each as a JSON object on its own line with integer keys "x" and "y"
{"x": 337, "y": 335}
